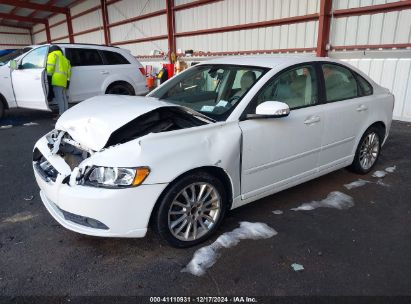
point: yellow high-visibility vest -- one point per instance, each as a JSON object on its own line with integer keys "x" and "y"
{"x": 59, "y": 68}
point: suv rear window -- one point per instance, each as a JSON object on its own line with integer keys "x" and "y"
{"x": 112, "y": 58}
{"x": 83, "y": 57}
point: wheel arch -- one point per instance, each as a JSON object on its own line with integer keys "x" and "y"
{"x": 215, "y": 171}
{"x": 380, "y": 125}
{"x": 4, "y": 102}
{"x": 123, "y": 82}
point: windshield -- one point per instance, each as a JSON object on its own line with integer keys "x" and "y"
{"x": 13, "y": 55}
{"x": 213, "y": 90}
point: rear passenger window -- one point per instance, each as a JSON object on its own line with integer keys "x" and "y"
{"x": 366, "y": 88}
{"x": 339, "y": 83}
{"x": 112, "y": 58}
{"x": 83, "y": 57}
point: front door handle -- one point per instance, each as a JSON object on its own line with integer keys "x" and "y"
{"x": 312, "y": 120}
{"x": 362, "y": 108}
{"x": 104, "y": 72}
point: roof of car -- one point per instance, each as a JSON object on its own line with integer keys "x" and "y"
{"x": 77, "y": 45}
{"x": 269, "y": 61}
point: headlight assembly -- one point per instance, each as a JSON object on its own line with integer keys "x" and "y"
{"x": 112, "y": 177}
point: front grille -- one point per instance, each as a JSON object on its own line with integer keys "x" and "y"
{"x": 82, "y": 220}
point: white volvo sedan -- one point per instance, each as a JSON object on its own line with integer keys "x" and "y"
{"x": 220, "y": 135}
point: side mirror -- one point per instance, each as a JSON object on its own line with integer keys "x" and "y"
{"x": 271, "y": 109}
{"x": 13, "y": 64}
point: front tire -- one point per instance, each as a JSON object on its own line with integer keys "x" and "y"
{"x": 191, "y": 210}
{"x": 120, "y": 89}
{"x": 2, "y": 109}
{"x": 368, "y": 151}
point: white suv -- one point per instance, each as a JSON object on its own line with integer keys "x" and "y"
{"x": 96, "y": 70}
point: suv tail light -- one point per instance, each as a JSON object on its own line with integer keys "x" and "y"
{"x": 143, "y": 71}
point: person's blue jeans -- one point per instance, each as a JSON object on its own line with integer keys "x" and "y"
{"x": 60, "y": 96}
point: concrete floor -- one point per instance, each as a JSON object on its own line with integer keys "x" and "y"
{"x": 364, "y": 250}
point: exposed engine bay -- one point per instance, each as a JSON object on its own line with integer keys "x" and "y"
{"x": 156, "y": 121}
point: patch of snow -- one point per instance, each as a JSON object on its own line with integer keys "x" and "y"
{"x": 29, "y": 198}
{"x": 6, "y": 127}
{"x": 206, "y": 257}
{"x": 278, "y": 212}
{"x": 335, "y": 199}
{"x": 381, "y": 183}
{"x": 391, "y": 169}
{"x": 19, "y": 217}
{"x": 297, "y": 267}
{"x": 379, "y": 174}
{"x": 29, "y": 124}
{"x": 356, "y": 184}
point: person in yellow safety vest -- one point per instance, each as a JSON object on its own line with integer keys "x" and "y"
{"x": 58, "y": 75}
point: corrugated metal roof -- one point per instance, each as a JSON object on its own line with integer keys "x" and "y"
{"x": 27, "y": 12}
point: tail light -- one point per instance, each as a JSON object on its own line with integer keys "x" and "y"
{"x": 143, "y": 71}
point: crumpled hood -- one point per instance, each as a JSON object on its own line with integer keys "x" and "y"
{"x": 91, "y": 122}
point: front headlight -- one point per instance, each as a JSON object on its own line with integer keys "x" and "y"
{"x": 116, "y": 177}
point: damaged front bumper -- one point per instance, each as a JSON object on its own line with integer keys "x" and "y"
{"x": 89, "y": 210}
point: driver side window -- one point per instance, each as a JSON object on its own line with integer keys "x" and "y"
{"x": 296, "y": 87}
{"x": 36, "y": 59}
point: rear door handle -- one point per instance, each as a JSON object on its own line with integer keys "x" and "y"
{"x": 104, "y": 72}
{"x": 312, "y": 120}
{"x": 362, "y": 108}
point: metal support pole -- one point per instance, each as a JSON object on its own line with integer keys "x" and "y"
{"x": 171, "y": 31}
{"x": 324, "y": 28}
{"x": 106, "y": 29}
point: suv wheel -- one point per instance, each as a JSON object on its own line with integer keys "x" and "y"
{"x": 191, "y": 210}
{"x": 368, "y": 151}
{"x": 120, "y": 89}
{"x": 2, "y": 110}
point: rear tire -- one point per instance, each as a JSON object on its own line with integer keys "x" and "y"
{"x": 122, "y": 88}
{"x": 368, "y": 151}
{"x": 2, "y": 110}
{"x": 196, "y": 203}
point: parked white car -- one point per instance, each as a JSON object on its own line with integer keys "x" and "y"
{"x": 220, "y": 135}
{"x": 96, "y": 70}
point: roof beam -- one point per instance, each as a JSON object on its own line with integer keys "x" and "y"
{"x": 35, "y": 6}
{"x": 22, "y": 18}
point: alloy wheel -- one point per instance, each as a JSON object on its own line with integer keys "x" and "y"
{"x": 194, "y": 211}
{"x": 369, "y": 150}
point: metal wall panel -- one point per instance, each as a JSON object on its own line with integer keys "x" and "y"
{"x": 394, "y": 74}
{"x": 301, "y": 35}
{"x": 141, "y": 29}
{"x": 39, "y": 37}
{"x": 88, "y": 21}
{"x": 144, "y": 48}
{"x": 15, "y": 39}
{"x": 13, "y": 29}
{"x": 234, "y": 12}
{"x": 384, "y": 28}
{"x": 57, "y": 18}
{"x": 38, "y": 27}
{"x": 179, "y": 2}
{"x": 130, "y": 8}
{"x": 94, "y": 37}
{"x": 59, "y": 31}
{"x": 83, "y": 6}
{"x": 66, "y": 40}
{"x": 344, "y": 4}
